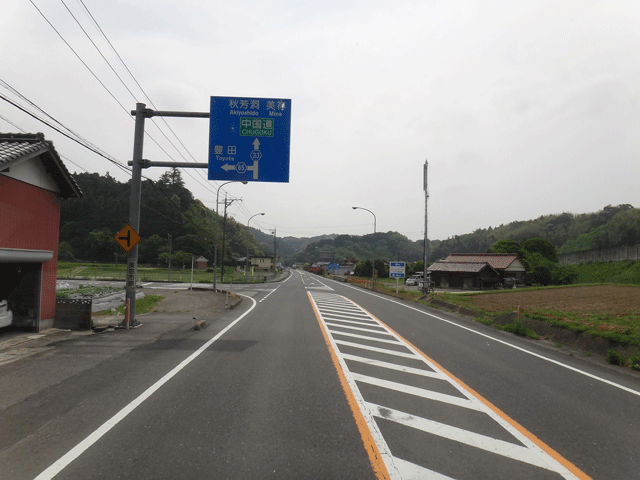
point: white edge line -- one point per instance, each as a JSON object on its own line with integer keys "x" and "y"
{"x": 524, "y": 350}
{"x": 80, "y": 448}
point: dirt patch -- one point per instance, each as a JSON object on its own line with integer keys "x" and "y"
{"x": 199, "y": 303}
{"x": 600, "y": 299}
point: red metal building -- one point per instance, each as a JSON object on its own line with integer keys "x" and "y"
{"x": 33, "y": 182}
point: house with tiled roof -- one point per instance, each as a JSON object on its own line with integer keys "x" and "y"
{"x": 477, "y": 270}
{"x": 33, "y": 183}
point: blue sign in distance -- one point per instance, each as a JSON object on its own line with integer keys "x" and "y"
{"x": 396, "y": 269}
{"x": 249, "y": 139}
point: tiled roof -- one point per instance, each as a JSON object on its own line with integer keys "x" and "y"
{"x": 14, "y": 146}
{"x": 496, "y": 260}
{"x": 17, "y": 145}
{"x": 465, "y": 267}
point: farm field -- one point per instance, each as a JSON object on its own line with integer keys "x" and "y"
{"x": 615, "y": 300}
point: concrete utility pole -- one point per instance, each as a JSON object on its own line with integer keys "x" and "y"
{"x": 275, "y": 255}
{"x": 137, "y": 164}
{"x": 169, "y": 235}
{"x": 215, "y": 255}
{"x": 224, "y": 232}
{"x": 425, "y": 286}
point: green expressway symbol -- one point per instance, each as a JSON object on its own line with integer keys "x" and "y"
{"x": 256, "y": 127}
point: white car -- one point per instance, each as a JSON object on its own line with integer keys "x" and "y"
{"x": 6, "y": 315}
{"x": 413, "y": 280}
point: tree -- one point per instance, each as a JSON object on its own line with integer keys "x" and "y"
{"x": 151, "y": 247}
{"x": 542, "y": 275}
{"x": 181, "y": 258}
{"x": 363, "y": 268}
{"x": 102, "y": 246}
{"x": 507, "y": 246}
{"x": 541, "y": 246}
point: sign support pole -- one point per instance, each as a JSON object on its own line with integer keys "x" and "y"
{"x": 141, "y": 112}
{"x": 134, "y": 213}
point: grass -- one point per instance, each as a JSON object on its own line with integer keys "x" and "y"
{"x": 624, "y": 272}
{"x": 148, "y": 273}
{"x": 143, "y": 305}
{"x": 519, "y": 328}
{"x": 624, "y": 329}
{"x": 85, "y": 291}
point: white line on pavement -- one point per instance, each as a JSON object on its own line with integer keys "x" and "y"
{"x": 79, "y": 449}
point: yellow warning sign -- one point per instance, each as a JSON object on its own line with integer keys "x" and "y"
{"x": 127, "y": 238}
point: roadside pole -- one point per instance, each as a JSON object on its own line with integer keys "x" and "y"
{"x": 134, "y": 214}
{"x": 137, "y": 164}
{"x": 425, "y": 287}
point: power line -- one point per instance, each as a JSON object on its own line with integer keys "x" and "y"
{"x": 139, "y": 86}
{"x": 87, "y": 146}
{"x": 100, "y": 82}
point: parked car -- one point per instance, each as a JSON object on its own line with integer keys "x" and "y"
{"x": 413, "y": 280}
{"x": 6, "y": 316}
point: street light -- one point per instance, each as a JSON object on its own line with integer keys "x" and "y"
{"x": 215, "y": 254}
{"x": 373, "y": 263}
{"x": 246, "y": 264}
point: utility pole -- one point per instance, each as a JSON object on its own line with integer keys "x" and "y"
{"x": 169, "y": 236}
{"x": 224, "y": 232}
{"x": 425, "y": 278}
{"x": 137, "y": 164}
{"x": 275, "y": 255}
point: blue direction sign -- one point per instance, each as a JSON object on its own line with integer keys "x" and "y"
{"x": 249, "y": 139}
{"x": 396, "y": 269}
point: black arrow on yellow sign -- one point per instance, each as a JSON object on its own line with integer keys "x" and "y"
{"x": 127, "y": 238}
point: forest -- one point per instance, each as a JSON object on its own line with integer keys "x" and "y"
{"x": 172, "y": 218}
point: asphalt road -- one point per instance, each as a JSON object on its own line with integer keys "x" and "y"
{"x": 311, "y": 378}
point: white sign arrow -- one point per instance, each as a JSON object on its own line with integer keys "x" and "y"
{"x": 243, "y": 168}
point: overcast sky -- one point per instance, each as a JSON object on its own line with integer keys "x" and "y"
{"x": 522, "y": 108}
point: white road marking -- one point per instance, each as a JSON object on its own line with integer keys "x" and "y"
{"x": 269, "y": 294}
{"x": 79, "y": 449}
{"x": 393, "y": 366}
{"x": 499, "y": 447}
{"x": 522, "y": 449}
{"x": 524, "y": 350}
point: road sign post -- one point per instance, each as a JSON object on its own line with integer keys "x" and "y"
{"x": 397, "y": 271}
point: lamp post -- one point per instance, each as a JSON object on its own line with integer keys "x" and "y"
{"x": 373, "y": 263}
{"x": 215, "y": 254}
{"x": 246, "y": 265}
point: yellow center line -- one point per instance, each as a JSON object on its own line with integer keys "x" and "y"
{"x": 370, "y": 446}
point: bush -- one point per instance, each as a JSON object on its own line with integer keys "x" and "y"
{"x": 614, "y": 358}
{"x": 634, "y": 362}
{"x": 519, "y": 328}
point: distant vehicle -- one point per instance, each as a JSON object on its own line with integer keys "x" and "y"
{"x": 414, "y": 280}
{"x": 6, "y": 316}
